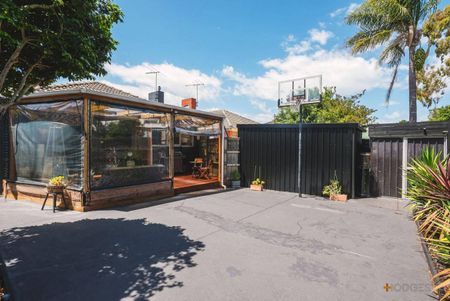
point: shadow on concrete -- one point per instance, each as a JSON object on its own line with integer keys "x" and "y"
{"x": 171, "y": 199}
{"x": 99, "y": 259}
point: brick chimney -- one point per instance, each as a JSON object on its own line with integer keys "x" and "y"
{"x": 189, "y": 103}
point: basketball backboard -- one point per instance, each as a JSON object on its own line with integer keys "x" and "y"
{"x": 299, "y": 91}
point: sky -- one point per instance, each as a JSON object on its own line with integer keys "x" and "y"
{"x": 240, "y": 50}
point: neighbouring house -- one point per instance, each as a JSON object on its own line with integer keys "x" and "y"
{"x": 112, "y": 147}
{"x": 231, "y": 121}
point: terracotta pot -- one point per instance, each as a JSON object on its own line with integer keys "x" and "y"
{"x": 339, "y": 197}
{"x": 256, "y": 187}
{"x": 55, "y": 189}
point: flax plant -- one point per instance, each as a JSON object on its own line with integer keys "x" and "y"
{"x": 429, "y": 195}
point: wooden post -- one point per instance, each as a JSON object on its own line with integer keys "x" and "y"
{"x": 219, "y": 163}
{"x": 86, "y": 146}
{"x": 12, "y": 172}
{"x": 171, "y": 145}
{"x": 404, "y": 167}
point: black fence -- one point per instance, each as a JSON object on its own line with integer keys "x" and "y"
{"x": 389, "y": 157}
{"x": 4, "y": 147}
{"x": 270, "y": 151}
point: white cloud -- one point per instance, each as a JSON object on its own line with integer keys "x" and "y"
{"x": 337, "y": 12}
{"x": 317, "y": 38}
{"x": 350, "y": 74}
{"x": 301, "y": 47}
{"x": 392, "y": 117}
{"x": 390, "y": 103}
{"x": 172, "y": 80}
{"x": 321, "y": 36}
{"x": 352, "y": 7}
{"x": 290, "y": 38}
{"x": 344, "y": 10}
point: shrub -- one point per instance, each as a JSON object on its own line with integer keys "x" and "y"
{"x": 258, "y": 181}
{"x": 333, "y": 188}
{"x": 429, "y": 195}
{"x": 235, "y": 175}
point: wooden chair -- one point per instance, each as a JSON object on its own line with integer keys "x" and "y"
{"x": 198, "y": 164}
{"x": 206, "y": 170}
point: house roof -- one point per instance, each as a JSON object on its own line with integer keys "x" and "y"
{"x": 233, "y": 119}
{"x": 103, "y": 90}
{"x": 91, "y": 86}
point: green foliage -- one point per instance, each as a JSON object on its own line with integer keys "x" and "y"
{"x": 287, "y": 116}
{"x": 440, "y": 114}
{"x": 429, "y": 195}
{"x": 334, "y": 108}
{"x": 393, "y": 24}
{"x": 432, "y": 79}
{"x": 42, "y": 41}
{"x": 235, "y": 175}
{"x": 333, "y": 188}
{"x": 258, "y": 181}
{"x": 419, "y": 59}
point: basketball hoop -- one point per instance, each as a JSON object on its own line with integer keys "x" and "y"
{"x": 295, "y": 93}
{"x": 300, "y": 91}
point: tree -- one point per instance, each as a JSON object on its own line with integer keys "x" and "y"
{"x": 432, "y": 78}
{"x": 395, "y": 23}
{"x": 334, "y": 108}
{"x": 440, "y": 114}
{"x": 44, "y": 40}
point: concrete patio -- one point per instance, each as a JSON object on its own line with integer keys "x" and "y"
{"x": 235, "y": 245}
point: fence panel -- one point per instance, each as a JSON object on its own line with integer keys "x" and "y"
{"x": 386, "y": 166}
{"x": 387, "y": 143}
{"x": 271, "y": 152}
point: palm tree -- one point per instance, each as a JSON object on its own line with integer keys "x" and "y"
{"x": 394, "y": 23}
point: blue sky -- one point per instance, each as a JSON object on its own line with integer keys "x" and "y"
{"x": 241, "y": 49}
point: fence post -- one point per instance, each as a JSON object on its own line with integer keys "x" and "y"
{"x": 404, "y": 167}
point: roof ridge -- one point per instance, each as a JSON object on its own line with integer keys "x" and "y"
{"x": 88, "y": 85}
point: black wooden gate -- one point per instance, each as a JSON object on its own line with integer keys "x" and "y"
{"x": 389, "y": 158}
{"x": 270, "y": 151}
{"x": 386, "y": 166}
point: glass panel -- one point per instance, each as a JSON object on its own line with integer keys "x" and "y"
{"x": 198, "y": 140}
{"x": 129, "y": 146}
{"x": 197, "y": 126}
{"x": 47, "y": 140}
{"x": 187, "y": 140}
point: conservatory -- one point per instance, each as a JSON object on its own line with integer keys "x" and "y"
{"x": 112, "y": 148}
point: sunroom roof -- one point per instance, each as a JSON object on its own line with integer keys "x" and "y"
{"x": 101, "y": 89}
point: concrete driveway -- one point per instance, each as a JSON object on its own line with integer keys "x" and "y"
{"x": 236, "y": 245}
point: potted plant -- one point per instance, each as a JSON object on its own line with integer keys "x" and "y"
{"x": 334, "y": 191}
{"x": 235, "y": 179}
{"x": 257, "y": 184}
{"x": 56, "y": 184}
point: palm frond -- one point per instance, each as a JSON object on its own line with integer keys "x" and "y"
{"x": 373, "y": 14}
{"x": 391, "y": 84}
{"x": 394, "y": 52}
{"x": 363, "y": 41}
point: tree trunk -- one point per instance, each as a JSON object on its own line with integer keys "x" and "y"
{"x": 412, "y": 87}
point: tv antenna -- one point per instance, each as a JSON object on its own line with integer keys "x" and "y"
{"x": 156, "y": 78}
{"x": 196, "y": 87}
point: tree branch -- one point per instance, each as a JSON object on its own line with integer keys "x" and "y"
{"x": 13, "y": 59}
{"x": 19, "y": 92}
{"x": 38, "y": 6}
{"x": 1, "y": 23}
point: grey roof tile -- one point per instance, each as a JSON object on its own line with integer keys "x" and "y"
{"x": 89, "y": 86}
